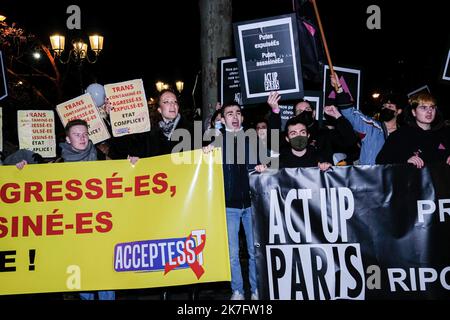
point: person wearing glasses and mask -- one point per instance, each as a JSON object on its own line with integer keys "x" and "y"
{"x": 423, "y": 140}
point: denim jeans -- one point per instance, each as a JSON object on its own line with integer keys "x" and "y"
{"x": 102, "y": 295}
{"x": 234, "y": 217}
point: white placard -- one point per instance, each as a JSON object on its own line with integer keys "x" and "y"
{"x": 129, "y": 111}
{"x": 83, "y": 107}
{"x": 36, "y": 131}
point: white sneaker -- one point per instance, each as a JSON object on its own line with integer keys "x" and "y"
{"x": 237, "y": 296}
{"x": 255, "y": 295}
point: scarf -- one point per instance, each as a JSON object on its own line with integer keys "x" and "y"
{"x": 168, "y": 127}
{"x": 71, "y": 155}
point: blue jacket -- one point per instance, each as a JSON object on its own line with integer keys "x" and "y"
{"x": 374, "y": 131}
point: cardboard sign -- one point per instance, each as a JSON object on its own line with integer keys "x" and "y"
{"x": 350, "y": 80}
{"x": 129, "y": 111}
{"x": 83, "y": 107}
{"x": 36, "y": 130}
{"x": 268, "y": 58}
{"x": 229, "y": 82}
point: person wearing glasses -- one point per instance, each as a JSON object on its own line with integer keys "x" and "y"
{"x": 423, "y": 140}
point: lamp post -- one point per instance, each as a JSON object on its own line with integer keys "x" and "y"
{"x": 180, "y": 86}
{"x": 79, "y": 52}
{"x": 159, "y": 86}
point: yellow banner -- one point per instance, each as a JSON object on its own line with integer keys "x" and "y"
{"x": 110, "y": 225}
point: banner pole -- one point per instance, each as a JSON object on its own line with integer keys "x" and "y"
{"x": 322, "y": 33}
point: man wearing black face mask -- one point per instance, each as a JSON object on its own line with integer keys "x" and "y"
{"x": 302, "y": 109}
{"x": 389, "y": 114}
{"x": 325, "y": 140}
{"x": 307, "y": 114}
{"x": 300, "y": 153}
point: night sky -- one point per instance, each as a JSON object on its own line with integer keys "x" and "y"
{"x": 161, "y": 40}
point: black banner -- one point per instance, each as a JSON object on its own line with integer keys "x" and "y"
{"x": 362, "y": 232}
{"x": 268, "y": 57}
{"x": 229, "y": 84}
{"x": 3, "y": 83}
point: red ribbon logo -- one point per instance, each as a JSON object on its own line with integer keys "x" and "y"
{"x": 195, "y": 266}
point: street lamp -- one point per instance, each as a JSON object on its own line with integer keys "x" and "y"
{"x": 79, "y": 52}
{"x": 159, "y": 86}
{"x": 164, "y": 86}
{"x": 180, "y": 86}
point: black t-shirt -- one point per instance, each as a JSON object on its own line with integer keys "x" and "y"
{"x": 431, "y": 146}
{"x": 289, "y": 160}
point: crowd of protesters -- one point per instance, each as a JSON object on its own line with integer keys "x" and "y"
{"x": 345, "y": 137}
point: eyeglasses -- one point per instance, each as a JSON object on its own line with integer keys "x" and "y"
{"x": 426, "y": 108}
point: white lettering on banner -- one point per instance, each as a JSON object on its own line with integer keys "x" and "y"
{"x": 342, "y": 206}
{"x": 428, "y": 207}
{"x": 406, "y": 280}
{"x": 271, "y": 81}
{"x": 315, "y": 272}
{"x": 275, "y": 220}
{"x": 144, "y": 255}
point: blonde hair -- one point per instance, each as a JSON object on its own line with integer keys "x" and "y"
{"x": 420, "y": 98}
